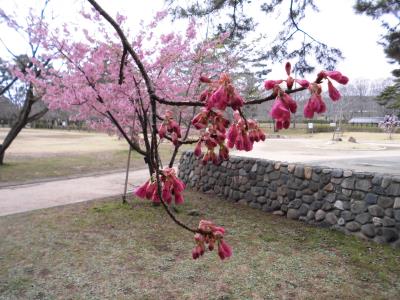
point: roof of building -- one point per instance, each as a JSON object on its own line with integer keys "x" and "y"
{"x": 366, "y": 120}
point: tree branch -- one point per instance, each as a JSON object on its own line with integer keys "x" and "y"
{"x": 37, "y": 115}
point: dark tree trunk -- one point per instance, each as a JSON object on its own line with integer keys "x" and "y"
{"x": 22, "y": 120}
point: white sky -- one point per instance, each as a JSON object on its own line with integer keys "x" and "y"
{"x": 336, "y": 24}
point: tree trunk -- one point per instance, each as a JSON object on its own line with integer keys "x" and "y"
{"x": 22, "y": 120}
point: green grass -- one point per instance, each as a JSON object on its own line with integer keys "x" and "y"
{"x": 107, "y": 250}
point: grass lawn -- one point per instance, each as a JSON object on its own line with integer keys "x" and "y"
{"x": 106, "y": 250}
{"x": 43, "y": 154}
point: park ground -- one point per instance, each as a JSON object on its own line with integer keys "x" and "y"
{"x": 103, "y": 249}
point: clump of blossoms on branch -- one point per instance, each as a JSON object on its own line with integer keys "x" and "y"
{"x": 171, "y": 126}
{"x": 219, "y": 95}
{"x": 316, "y": 104}
{"x": 208, "y": 236}
{"x": 284, "y": 104}
{"x": 171, "y": 185}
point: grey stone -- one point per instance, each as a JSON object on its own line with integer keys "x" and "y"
{"x": 363, "y": 218}
{"x": 320, "y": 215}
{"x": 396, "y": 202}
{"x": 377, "y": 180}
{"x": 282, "y": 191}
{"x": 348, "y": 183}
{"x": 275, "y": 204}
{"x": 331, "y": 218}
{"x": 315, "y": 177}
{"x": 371, "y": 198}
{"x": 242, "y": 172}
{"x": 315, "y": 205}
{"x": 358, "y": 195}
{"x": 378, "y": 222}
{"x": 337, "y": 173}
{"x": 347, "y": 173}
{"x": 310, "y": 215}
{"x": 278, "y": 213}
{"x": 376, "y": 211}
{"x": 390, "y": 235}
{"x": 327, "y": 206}
{"x": 292, "y": 214}
{"x": 396, "y": 214}
{"x": 385, "y": 202}
{"x": 260, "y": 170}
{"x": 389, "y": 212}
{"x": 341, "y": 222}
{"x": 254, "y": 168}
{"x": 284, "y": 208}
{"x": 308, "y": 172}
{"x": 303, "y": 210}
{"x": 261, "y": 199}
{"x": 243, "y": 202}
{"x": 255, "y": 205}
{"x": 330, "y": 197}
{"x": 347, "y": 216}
{"x": 353, "y": 226}
{"x": 368, "y": 230}
{"x": 339, "y": 205}
{"x": 274, "y": 175}
{"x": 386, "y": 181}
{"x": 347, "y": 192}
{"x": 235, "y": 195}
{"x": 291, "y": 195}
{"x": 358, "y": 207}
{"x": 308, "y": 199}
{"x": 336, "y": 180}
{"x": 299, "y": 171}
{"x": 393, "y": 189}
{"x": 295, "y": 203}
{"x": 326, "y": 171}
{"x": 364, "y": 185}
{"x": 257, "y": 191}
{"x": 388, "y": 222}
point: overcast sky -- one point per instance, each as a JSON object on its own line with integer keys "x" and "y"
{"x": 336, "y": 24}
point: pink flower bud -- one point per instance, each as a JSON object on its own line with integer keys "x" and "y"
{"x": 197, "y": 149}
{"x": 333, "y": 92}
{"x": 288, "y": 68}
{"x": 205, "y": 79}
{"x": 270, "y": 84}
{"x": 141, "y": 191}
{"x": 303, "y": 83}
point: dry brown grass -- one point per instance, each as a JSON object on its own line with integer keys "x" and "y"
{"x": 106, "y": 250}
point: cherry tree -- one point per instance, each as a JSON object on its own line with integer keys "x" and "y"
{"x": 164, "y": 89}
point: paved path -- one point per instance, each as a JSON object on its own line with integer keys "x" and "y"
{"x": 21, "y": 198}
{"x": 376, "y": 157}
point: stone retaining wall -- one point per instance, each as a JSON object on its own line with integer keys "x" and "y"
{"x": 359, "y": 203}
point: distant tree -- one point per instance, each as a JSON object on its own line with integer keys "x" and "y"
{"x": 388, "y": 12}
{"x": 17, "y": 76}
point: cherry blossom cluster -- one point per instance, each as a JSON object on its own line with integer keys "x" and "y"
{"x": 243, "y": 133}
{"x": 213, "y": 136}
{"x": 171, "y": 126}
{"x": 210, "y": 234}
{"x": 316, "y": 104}
{"x": 221, "y": 93}
{"x": 171, "y": 185}
{"x": 284, "y": 103}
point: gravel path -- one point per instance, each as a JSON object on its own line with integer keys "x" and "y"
{"x": 22, "y": 198}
